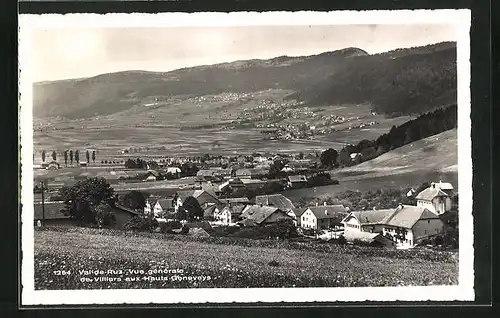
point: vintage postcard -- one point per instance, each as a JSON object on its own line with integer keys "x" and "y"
{"x": 246, "y": 157}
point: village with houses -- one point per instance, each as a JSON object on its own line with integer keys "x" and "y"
{"x": 243, "y": 192}
{"x": 337, "y": 169}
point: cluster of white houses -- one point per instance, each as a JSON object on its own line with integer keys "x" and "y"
{"x": 404, "y": 226}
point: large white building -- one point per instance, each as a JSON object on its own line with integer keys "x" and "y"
{"x": 406, "y": 225}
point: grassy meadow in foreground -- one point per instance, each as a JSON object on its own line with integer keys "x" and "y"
{"x": 218, "y": 262}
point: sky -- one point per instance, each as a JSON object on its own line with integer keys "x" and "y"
{"x": 84, "y": 52}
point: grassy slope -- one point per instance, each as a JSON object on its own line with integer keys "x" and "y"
{"x": 435, "y": 153}
{"x": 229, "y": 265}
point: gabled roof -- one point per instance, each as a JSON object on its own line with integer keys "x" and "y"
{"x": 258, "y": 214}
{"x": 298, "y": 178}
{"x": 407, "y": 215}
{"x": 154, "y": 173}
{"x": 165, "y": 203}
{"x": 211, "y": 188}
{"x": 209, "y": 210}
{"x": 336, "y": 212}
{"x": 430, "y": 193}
{"x": 184, "y": 194}
{"x": 236, "y": 209}
{"x": 275, "y": 200}
{"x": 371, "y": 216}
{"x": 52, "y": 211}
{"x": 298, "y": 211}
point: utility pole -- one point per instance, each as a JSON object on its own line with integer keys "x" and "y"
{"x": 43, "y": 203}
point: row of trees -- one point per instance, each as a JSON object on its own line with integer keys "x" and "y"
{"x": 70, "y": 155}
{"x": 424, "y": 126}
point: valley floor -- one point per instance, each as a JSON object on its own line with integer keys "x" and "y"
{"x": 66, "y": 259}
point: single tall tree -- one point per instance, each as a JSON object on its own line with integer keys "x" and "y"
{"x": 193, "y": 209}
{"x": 43, "y": 156}
{"x": 54, "y": 155}
{"x": 71, "y": 156}
{"x": 87, "y": 155}
{"x": 328, "y": 157}
{"x": 77, "y": 156}
{"x": 66, "y": 158}
{"x": 93, "y": 156}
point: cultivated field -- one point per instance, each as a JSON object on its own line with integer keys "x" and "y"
{"x": 243, "y": 263}
{"x": 188, "y": 126}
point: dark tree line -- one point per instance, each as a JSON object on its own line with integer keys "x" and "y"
{"x": 426, "y": 125}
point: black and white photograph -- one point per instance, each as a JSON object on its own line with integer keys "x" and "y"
{"x": 246, "y": 157}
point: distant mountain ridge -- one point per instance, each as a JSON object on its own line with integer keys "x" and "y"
{"x": 406, "y": 80}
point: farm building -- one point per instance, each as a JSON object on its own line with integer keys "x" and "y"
{"x": 275, "y": 200}
{"x": 229, "y": 214}
{"x": 164, "y": 207}
{"x": 406, "y": 225}
{"x": 122, "y": 215}
{"x": 323, "y": 217}
{"x": 152, "y": 175}
{"x": 55, "y": 216}
{"x": 410, "y": 225}
{"x": 203, "y": 197}
{"x": 366, "y": 221}
{"x": 235, "y": 201}
{"x": 262, "y": 215}
{"x": 435, "y": 199}
{"x": 296, "y": 182}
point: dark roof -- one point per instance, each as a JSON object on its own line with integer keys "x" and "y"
{"x": 52, "y": 211}
{"x": 407, "y": 215}
{"x": 184, "y": 194}
{"x": 235, "y": 209}
{"x": 372, "y": 216}
{"x": 154, "y": 173}
{"x": 209, "y": 210}
{"x": 299, "y": 211}
{"x": 259, "y": 214}
{"x": 165, "y": 203}
{"x": 337, "y": 212}
{"x": 298, "y": 178}
{"x": 430, "y": 193}
{"x": 275, "y": 200}
{"x": 235, "y": 200}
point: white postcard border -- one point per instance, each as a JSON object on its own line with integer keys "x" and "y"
{"x": 464, "y": 291}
